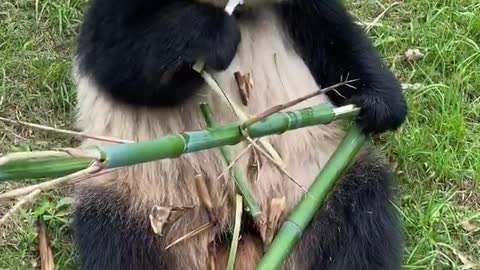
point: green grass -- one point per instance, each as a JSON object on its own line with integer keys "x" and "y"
{"x": 436, "y": 153}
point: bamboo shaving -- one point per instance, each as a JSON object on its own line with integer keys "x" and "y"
{"x": 205, "y": 197}
{"x": 46, "y": 254}
{"x": 232, "y": 257}
{"x": 276, "y": 213}
{"x": 234, "y": 161}
{"x": 284, "y": 171}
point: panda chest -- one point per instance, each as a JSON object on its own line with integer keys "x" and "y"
{"x": 276, "y": 74}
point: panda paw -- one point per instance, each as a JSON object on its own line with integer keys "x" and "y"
{"x": 217, "y": 47}
{"x": 381, "y": 112}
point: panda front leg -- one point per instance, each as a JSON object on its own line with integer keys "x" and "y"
{"x": 335, "y": 49}
{"x": 357, "y": 229}
{"x": 141, "y": 52}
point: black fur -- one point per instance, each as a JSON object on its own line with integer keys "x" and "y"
{"x": 108, "y": 237}
{"x": 141, "y": 49}
{"x": 334, "y": 48}
{"x": 138, "y": 50}
{"x": 357, "y": 229}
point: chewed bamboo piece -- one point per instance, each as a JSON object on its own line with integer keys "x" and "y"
{"x": 231, "y": 5}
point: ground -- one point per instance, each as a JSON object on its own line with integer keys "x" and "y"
{"x": 436, "y": 153}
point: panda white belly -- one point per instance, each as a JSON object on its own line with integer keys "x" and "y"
{"x": 279, "y": 75}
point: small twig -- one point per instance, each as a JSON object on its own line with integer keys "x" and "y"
{"x": 292, "y": 103}
{"x": 234, "y": 161}
{"x": 94, "y": 170}
{"x": 46, "y": 256}
{"x": 65, "y": 131}
{"x": 232, "y": 257}
{"x": 191, "y": 234}
{"x": 20, "y": 205}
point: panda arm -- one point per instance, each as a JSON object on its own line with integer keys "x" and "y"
{"x": 140, "y": 52}
{"x": 335, "y": 49}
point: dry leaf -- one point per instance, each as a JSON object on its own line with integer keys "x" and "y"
{"x": 470, "y": 226}
{"x": 160, "y": 216}
{"x": 413, "y": 55}
{"x": 467, "y": 264}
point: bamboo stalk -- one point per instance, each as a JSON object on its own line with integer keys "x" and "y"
{"x": 173, "y": 146}
{"x": 292, "y": 230}
{"x": 238, "y": 176}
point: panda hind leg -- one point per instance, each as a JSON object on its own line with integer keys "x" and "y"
{"x": 357, "y": 229}
{"x": 108, "y": 238}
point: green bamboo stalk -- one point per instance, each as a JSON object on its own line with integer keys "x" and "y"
{"x": 292, "y": 230}
{"x": 175, "y": 145}
{"x": 47, "y": 167}
{"x": 238, "y": 176}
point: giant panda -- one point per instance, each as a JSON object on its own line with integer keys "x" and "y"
{"x": 134, "y": 80}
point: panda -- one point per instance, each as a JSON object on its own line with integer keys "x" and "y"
{"x": 134, "y": 80}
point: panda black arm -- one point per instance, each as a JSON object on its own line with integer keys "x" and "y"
{"x": 334, "y": 48}
{"x": 140, "y": 52}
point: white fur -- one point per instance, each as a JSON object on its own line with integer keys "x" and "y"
{"x": 279, "y": 76}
